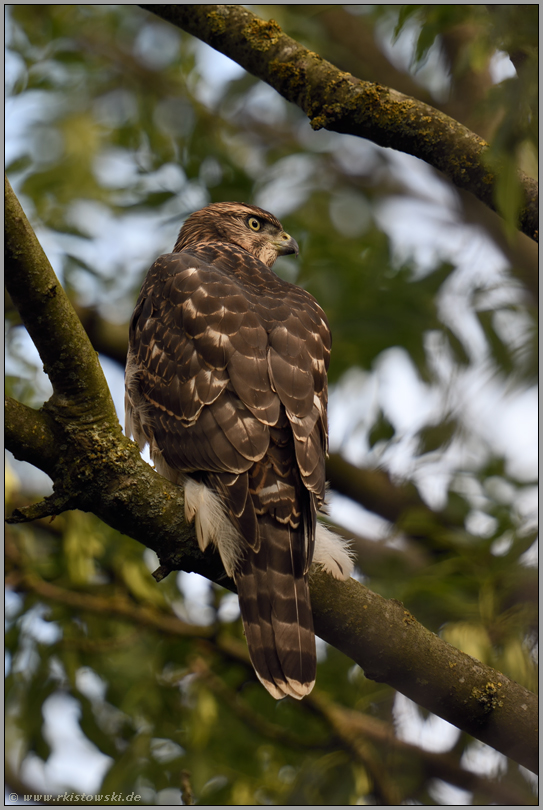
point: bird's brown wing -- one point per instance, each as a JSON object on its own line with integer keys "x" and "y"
{"x": 226, "y": 380}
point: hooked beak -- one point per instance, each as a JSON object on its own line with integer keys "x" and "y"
{"x": 285, "y": 244}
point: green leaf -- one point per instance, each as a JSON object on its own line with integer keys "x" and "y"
{"x": 381, "y": 430}
{"x": 437, "y": 437}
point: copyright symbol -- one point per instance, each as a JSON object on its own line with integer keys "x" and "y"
{"x": 13, "y": 797}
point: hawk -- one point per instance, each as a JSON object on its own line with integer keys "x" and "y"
{"x": 226, "y": 381}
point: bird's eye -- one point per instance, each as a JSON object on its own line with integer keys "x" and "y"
{"x": 253, "y": 224}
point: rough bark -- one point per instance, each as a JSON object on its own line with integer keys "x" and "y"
{"x": 77, "y": 440}
{"x": 339, "y": 102}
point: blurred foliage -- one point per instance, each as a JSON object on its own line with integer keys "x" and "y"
{"x": 513, "y": 103}
{"x": 117, "y": 128}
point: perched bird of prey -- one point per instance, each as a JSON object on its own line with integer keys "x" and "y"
{"x": 226, "y": 380}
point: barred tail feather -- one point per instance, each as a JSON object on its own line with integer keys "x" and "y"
{"x": 292, "y": 618}
{"x": 276, "y": 613}
{"x": 272, "y": 584}
{"x": 251, "y": 603}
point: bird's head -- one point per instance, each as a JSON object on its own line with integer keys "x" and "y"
{"x": 251, "y": 228}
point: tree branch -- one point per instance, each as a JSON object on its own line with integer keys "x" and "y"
{"x": 98, "y": 470}
{"x": 354, "y": 726}
{"x": 373, "y": 489}
{"x": 378, "y": 633}
{"x": 68, "y": 358}
{"x": 118, "y": 606}
{"x": 354, "y": 49}
{"x": 339, "y": 102}
{"x": 400, "y": 503}
{"x": 31, "y": 435}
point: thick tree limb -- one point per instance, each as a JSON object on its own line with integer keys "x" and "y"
{"x": 98, "y": 470}
{"x": 339, "y": 102}
{"x": 31, "y": 434}
{"x": 434, "y": 674}
{"x": 68, "y": 358}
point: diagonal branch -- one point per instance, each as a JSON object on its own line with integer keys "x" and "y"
{"x": 356, "y": 727}
{"x": 339, "y": 102}
{"x": 380, "y": 633}
{"x": 68, "y": 357}
{"x": 123, "y": 608}
{"x": 30, "y": 434}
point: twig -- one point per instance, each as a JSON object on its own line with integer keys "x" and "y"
{"x": 187, "y": 796}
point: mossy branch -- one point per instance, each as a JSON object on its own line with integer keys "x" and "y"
{"x": 378, "y": 633}
{"x": 68, "y": 358}
{"x": 96, "y": 469}
{"x": 31, "y": 435}
{"x": 339, "y": 102}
